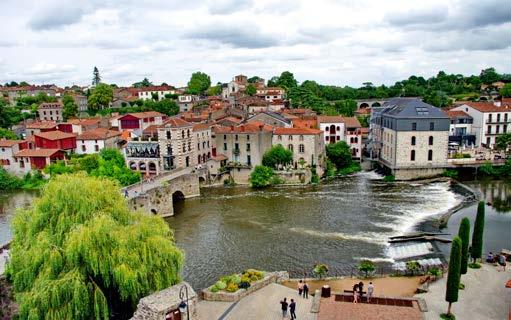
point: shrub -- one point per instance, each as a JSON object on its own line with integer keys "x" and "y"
{"x": 320, "y": 270}
{"x": 244, "y": 285}
{"x": 447, "y": 316}
{"x": 412, "y": 267}
{"x": 450, "y": 173}
{"x": 340, "y": 154}
{"x": 232, "y": 287}
{"x": 277, "y": 155}
{"x": 437, "y": 272}
{"x": 214, "y": 289}
{"x": 245, "y": 278}
{"x": 261, "y": 177}
{"x": 464, "y": 234}
{"x": 389, "y": 178}
{"x": 366, "y": 266}
{"x": 220, "y": 285}
{"x": 474, "y": 265}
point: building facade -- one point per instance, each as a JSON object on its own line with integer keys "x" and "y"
{"x": 50, "y": 111}
{"x": 332, "y": 128}
{"x": 414, "y": 138}
{"x": 176, "y": 144}
{"x": 95, "y": 140}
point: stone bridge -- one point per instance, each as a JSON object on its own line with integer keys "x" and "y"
{"x": 370, "y": 103}
{"x": 161, "y": 194}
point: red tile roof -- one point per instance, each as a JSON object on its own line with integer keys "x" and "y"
{"x": 84, "y": 122}
{"x": 152, "y": 129}
{"x": 489, "y": 106}
{"x": 330, "y": 119}
{"x": 252, "y": 127}
{"x": 55, "y": 135}
{"x": 98, "y": 134}
{"x": 143, "y": 115}
{"x": 9, "y": 143}
{"x": 201, "y": 126}
{"x": 36, "y": 152}
{"x": 177, "y": 122}
{"x": 156, "y": 88}
{"x": 454, "y": 114}
{"x": 351, "y": 122}
{"x": 42, "y": 125}
{"x": 296, "y": 131}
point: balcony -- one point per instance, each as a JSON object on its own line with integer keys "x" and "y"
{"x": 501, "y": 121}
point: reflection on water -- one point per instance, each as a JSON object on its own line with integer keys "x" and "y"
{"x": 497, "y": 194}
{"x": 8, "y": 204}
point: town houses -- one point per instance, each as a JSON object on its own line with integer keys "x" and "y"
{"x": 235, "y": 128}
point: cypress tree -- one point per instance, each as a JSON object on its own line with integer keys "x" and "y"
{"x": 477, "y": 235}
{"x": 80, "y": 253}
{"x": 464, "y": 234}
{"x": 96, "y": 78}
{"x": 453, "y": 276}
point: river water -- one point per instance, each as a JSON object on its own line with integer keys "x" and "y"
{"x": 226, "y": 230}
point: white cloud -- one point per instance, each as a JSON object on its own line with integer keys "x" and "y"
{"x": 340, "y": 42}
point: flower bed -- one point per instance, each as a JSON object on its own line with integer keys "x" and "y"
{"x": 234, "y": 287}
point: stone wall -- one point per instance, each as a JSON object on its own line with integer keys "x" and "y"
{"x": 238, "y": 295}
{"x": 295, "y": 176}
{"x": 413, "y": 174}
{"x": 159, "y": 200}
{"x": 157, "y": 305}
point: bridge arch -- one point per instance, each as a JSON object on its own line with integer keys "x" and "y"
{"x": 178, "y": 199}
{"x": 364, "y": 105}
{"x": 375, "y": 104}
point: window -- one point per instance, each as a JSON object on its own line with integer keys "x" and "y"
{"x": 248, "y": 137}
{"x": 225, "y": 146}
{"x": 84, "y": 148}
{"x": 413, "y": 140}
{"x": 198, "y": 146}
{"x": 431, "y": 126}
{"x": 290, "y": 147}
{"x": 430, "y": 140}
{"x": 248, "y": 146}
{"x": 414, "y": 126}
{"x": 225, "y": 137}
{"x": 338, "y": 128}
{"x": 326, "y": 138}
{"x": 338, "y": 138}
{"x": 182, "y": 134}
{"x": 22, "y": 163}
{"x": 290, "y": 138}
{"x": 168, "y": 134}
{"x": 301, "y": 138}
{"x": 188, "y": 133}
{"x": 356, "y": 139}
{"x": 96, "y": 148}
{"x": 301, "y": 148}
{"x": 489, "y": 129}
{"x": 184, "y": 147}
{"x": 236, "y": 137}
{"x": 497, "y": 129}
{"x": 279, "y": 138}
{"x": 189, "y": 146}
{"x": 430, "y": 155}
{"x": 504, "y": 129}
{"x": 489, "y": 117}
{"x": 412, "y": 155}
{"x": 488, "y": 141}
{"x": 498, "y": 117}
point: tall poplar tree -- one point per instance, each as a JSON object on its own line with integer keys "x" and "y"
{"x": 477, "y": 235}
{"x": 96, "y": 78}
{"x": 80, "y": 253}
{"x": 453, "y": 276}
{"x": 464, "y": 234}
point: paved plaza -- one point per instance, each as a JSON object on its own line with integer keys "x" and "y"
{"x": 485, "y": 295}
{"x": 263, "y": 304}
{"x": 335, "y": 310}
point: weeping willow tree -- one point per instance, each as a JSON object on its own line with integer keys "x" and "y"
{"x": 80, "y": 253}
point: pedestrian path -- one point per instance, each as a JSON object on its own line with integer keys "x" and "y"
{"x": 263, "y": 304}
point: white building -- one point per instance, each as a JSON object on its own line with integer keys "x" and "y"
{"x": 271, "y": 93}
{"x": 186, "y": 102}
{"x": 460, "y": 129}
{"x": 8, "y": 148}
{"x": 95, "y": 140}
{"x": 490, "y": 119}
{"x": 146, "y": 93}
{"x": 332, "y": 128}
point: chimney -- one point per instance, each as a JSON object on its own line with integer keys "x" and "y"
{"x": 232, "y": 128}
{"x": 261, "y": 126}
{"x": 242, "y": 128}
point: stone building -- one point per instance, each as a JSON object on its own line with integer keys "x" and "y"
{"x": 306, "y": 144}
{"x": 414, "y": 138}
{"x": 202, "y": 141}
{"x": 176, "y": 141}
{"x": 50, "y": 111}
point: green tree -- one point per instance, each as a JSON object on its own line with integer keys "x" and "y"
{"x": 166, "y": 106}
{"x": 464, "y": 234}
{"x": 254, "y": 79}
{"x": 96, "y": 78}
{"x": 366, "y": 266}
{"x": 7, "y": 134}
{"x": 346, "y": 108}
{"x": 277, "y": 155}
{"x": 70, "y": 109}
{"x": 80, "y": 253}
{"x": 199, "y": 83}
{"x": 506, "y": 90}
{"x": 286, "y": 80}
{"x": 100, "y": 97}
{"x": 261, "y": 177}
{"x": 143, "y": 83}
{"x": 503, "y": 141}
{"x": 214, "y": 90}
{"x": 251, "y": 90}
{"x": 453, "y": 276}
{"x": 89, "y": 162}
{"x": 9, "y": 115}
{"x": 477, "y": 235}
{"x": 8, "y": 181}
{"x": 489, "y": 76}
{"x": 340, "y": 154}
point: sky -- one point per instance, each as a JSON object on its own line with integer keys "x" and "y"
{"x": 337, "y": 42}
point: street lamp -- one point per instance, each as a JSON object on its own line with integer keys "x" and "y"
{"x": 183, "y": 293}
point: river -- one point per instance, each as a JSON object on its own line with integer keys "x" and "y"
{"x": 226, "y": 230}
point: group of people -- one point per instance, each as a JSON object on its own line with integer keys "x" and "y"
{"x": 358, "y": 292}
{"x": 499, "y": 259}
{"x": 303, "y": 291}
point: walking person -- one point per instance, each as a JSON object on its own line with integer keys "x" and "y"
{"x": 284, "y": 305}
{"x": 126, "y": 193}
{"x": 305, "y": 290}
{"x": 360, "y": 290}
{"x": 300, "y": 288}
{"x": 502, "y": 261}
{"x": 370, "y": 290}
{"x": 355, "y": 293}
{"x": 292, "y": 307}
